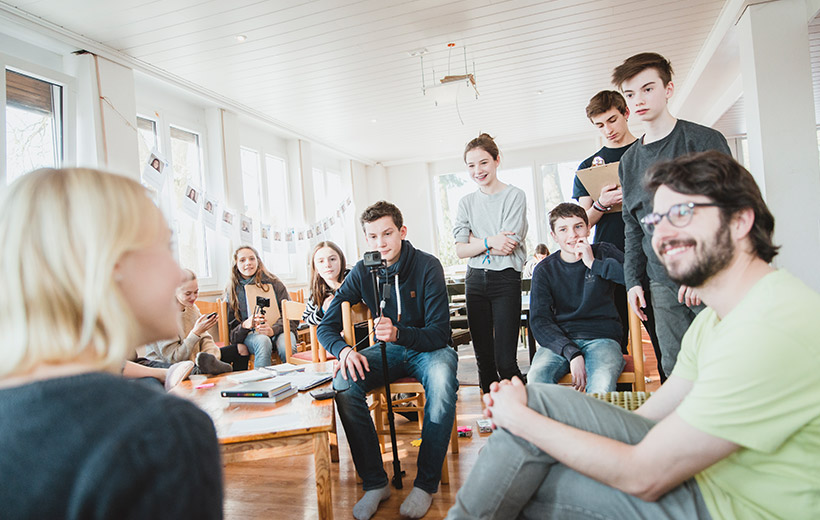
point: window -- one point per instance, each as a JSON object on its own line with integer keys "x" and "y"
{"x": 278, "y": 260}
{"x": 147, "y": 138}
{"x": 186, "y": 158}
{"x": 34, "y": 124}
{"x": 522, "y": 178}
{"x": 251, "y": 185}
{"x": 557, "y": 180}
{"x": 277, "y": 190}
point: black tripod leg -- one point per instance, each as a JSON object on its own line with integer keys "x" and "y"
{"x": 397, "y": 472}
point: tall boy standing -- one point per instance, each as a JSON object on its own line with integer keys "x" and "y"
{"x": 646, "y": 82}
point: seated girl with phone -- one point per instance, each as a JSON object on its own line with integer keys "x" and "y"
{"x": 192, "y": 341}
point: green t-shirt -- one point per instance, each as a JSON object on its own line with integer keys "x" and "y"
{"x": 756, "y": 379}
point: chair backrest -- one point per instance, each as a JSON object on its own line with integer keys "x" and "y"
{"x": 221, "y": 309}
{"x": 297, "y": 296}
{"x": 291, "y": 310}
{"x": 353, "y": 314}
{"x": 635, "y": 348}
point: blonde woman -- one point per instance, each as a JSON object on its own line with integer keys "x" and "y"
{"x": 87, "y": 275}
{"x": 192, "y": 342}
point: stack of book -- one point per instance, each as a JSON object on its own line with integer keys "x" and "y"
{"x": 270, "y": 391}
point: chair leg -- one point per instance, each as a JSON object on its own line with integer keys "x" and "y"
{"x": 445, "y": 472}
{"x": 454, "y": 436}
{"x": 334, "y": 442}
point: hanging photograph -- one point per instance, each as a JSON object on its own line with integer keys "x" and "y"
{"x": 245, "y": 229}
{"x": 153, "y": 172}
{"x": 226, "y": 223}
{"x": 190, "y": 202}
{"x": 266, "y": 238}
{"x": 209, "y": 212}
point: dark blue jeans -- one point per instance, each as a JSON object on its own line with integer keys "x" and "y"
{"x": 494, "y": 316}
{"x": 436, "y": 370}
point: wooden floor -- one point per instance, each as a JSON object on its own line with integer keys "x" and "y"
{"x": 284, "y": 488}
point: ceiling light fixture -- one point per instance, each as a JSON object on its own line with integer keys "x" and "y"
{"x": 452, "y": 88}
{"x": 240, "y": 38}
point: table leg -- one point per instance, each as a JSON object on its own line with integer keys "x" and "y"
{"x": 321, "y": 459}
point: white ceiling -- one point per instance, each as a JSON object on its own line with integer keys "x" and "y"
{"x": 341, "y": 70}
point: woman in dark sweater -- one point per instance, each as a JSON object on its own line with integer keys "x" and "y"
{"x": 87, "y": 276}
{"x": 253, "y": 328}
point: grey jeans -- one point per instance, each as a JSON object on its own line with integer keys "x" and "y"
{"x": 672, "y": 320}
{"x": 513, "y": 478}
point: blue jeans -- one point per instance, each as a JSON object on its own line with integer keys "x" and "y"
{"x": 261, "y": 347}
{"x": 436, "y": 370}
{"x": 513, "y": 478}
{"x": 603, "y": 362}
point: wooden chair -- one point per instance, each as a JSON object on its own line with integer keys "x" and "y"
{"x": 292, "y": 310}
{"x": 633, "y": 372}
{"x": 219, "y": 307}
{"x": 356, "y": 314}
{"x": 297, "y": 296}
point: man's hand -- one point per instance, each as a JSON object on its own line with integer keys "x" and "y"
{"x": 354, "y": 364}
{"x": 637, "y": 301}
{"x": 502, "y": 244}
{"x": 583, "y": 251}
{"x": 505, "y": 402}
{"x": 385, "y": 331}
{"x": 203, "y": 323}
{"x": 611, "y": 194}
{"x": 577, "y": 368}
{"x": 689, "y": 296}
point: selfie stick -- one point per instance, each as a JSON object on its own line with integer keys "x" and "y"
{"x": 397, "y": 472}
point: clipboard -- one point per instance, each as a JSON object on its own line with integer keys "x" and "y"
{"x": 597, "y": 177}
{"x": 272, "y": 314}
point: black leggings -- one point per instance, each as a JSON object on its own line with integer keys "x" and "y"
{"x": 230, "y": 354}
{"x": 494, "y": 316}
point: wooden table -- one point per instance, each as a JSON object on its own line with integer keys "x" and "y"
{"x": 297, "y": 426}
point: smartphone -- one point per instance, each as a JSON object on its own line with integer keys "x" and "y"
{"x": 325, "y": 393}
{"x": 211, "y": 315}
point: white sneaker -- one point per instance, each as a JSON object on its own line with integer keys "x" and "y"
{"x": 177, "y": 373}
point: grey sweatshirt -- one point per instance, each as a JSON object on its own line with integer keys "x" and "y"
{"x": 685, "y": 138}
{"x": 488, "y": 215}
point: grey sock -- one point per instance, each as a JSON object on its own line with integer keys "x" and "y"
{"x": 367, "y": 505}
{"x": 416, "y": 504}
{"x": 208, "y": 364}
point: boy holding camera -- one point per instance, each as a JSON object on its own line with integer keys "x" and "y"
{"x": 415, "y": 324}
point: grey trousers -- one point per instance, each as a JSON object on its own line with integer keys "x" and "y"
{"x": 513, "y": 478}
{"x": 672, "y": 320}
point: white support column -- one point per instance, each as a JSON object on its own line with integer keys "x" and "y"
{"x": 777, "y": 86}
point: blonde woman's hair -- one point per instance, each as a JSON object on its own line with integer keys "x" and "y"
{"x": 63, "y": 232}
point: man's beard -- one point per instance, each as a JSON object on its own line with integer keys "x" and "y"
{"x": 710, "y": 259}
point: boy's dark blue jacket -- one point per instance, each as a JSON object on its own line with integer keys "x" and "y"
{"x": 425, "y": 315}
{"x": 569, "y": 301}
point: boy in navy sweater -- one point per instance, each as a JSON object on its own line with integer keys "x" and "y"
{"x": 417, "y": 346}
{"x": 572, "y": 313}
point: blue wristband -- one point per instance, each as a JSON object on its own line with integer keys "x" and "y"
{"x": 486, "y": 246}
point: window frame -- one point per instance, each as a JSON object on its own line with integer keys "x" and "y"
{"x": 68, "y": 117}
